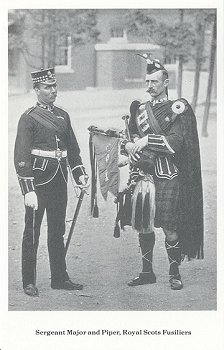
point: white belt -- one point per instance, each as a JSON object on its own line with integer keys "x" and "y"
{"x": 49, "y": 154}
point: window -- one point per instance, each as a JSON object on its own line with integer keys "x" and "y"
{"x": 63, "y": 54}
{"x": 117, "y": 32}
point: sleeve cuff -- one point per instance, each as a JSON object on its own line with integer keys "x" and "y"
{"x": 77, "y": 171}
{"x": 26, "y": 184}
{"x": 159, "y": 143}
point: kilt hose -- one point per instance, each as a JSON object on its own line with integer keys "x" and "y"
{"x": 155, "y": 202}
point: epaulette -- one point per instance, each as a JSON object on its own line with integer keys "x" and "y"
{"x": 29, "y": 110}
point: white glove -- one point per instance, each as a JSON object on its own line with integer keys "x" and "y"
{"x": 30, "y": 200}
{"x": 140, "y": 144}
{"x": 83, "y": 179}
{"x": 129, "y": 148}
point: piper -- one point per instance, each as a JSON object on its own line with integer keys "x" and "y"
{"x": 165, "y": 182}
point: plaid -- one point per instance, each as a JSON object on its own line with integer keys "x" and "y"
{"x": 167, "y": 200}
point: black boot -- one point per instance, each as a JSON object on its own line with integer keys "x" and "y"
{"x": 174, "y": 256}
{"x": 147, "y": 276}
{"x": 31, "y": 290}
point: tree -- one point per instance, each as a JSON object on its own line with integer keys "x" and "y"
{"x": 49, "y": 27}
{"x": 200, "y": 37}
{"x": 203, "y": 19}
{"x": 210, "y": 78}
{"x": 181, "y": 61}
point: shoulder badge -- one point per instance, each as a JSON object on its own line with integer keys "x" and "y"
{"x": 178, "y": 107}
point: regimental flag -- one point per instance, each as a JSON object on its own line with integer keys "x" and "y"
{"x": 104, "y": 162}
{"x": 106, "y": 151}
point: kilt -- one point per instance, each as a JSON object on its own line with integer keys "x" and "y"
{"x": 167, "y": 202}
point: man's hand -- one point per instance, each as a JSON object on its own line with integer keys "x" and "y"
{"x": 140, "y": 144}
{"x": 129, "y": 148}
{"x": 83, "y": 179}
{"x": 30, "y": 200}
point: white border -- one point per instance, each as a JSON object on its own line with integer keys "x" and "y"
{"x": 16, "y": 328}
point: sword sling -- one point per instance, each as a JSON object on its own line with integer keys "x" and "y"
{"x": 74, "y": 219}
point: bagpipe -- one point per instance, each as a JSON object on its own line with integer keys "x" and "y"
{"x": 136, "y": 203}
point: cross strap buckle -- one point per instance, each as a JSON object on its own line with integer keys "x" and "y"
{"x": 58, "y": 154}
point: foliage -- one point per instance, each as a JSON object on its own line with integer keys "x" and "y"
{"x": 48, "y": 26}
{"x": 79, "y": 24}
{"x": 15, "y": 29}
{"x": 211, "y": 74}
{"x": 176, "y": 38}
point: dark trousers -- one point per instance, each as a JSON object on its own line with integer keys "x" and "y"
{"x": 53, "y": 198}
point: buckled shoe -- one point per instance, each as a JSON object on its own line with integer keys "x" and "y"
{"x": 143, "y": 278}
{"x": 176, "y": 283}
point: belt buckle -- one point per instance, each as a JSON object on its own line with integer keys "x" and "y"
{"x": 58, "y": 154}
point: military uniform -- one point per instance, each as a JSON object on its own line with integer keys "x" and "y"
{"x": 44, "y": 149}
{"x": 173, "y": 159}
{"x": 170, "y": 164}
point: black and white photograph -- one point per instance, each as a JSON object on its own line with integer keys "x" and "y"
{"x": 114, "y": 216}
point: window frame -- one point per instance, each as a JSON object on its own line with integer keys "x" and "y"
{"x": 66, "y": 68}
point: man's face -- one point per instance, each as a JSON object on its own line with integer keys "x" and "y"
{"x": 46, "y": 94}
{"x": 156, "y": 85}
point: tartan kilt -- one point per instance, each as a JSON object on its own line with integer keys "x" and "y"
{"x": 167, "y": 202}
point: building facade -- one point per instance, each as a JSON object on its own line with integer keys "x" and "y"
{"x": 111, "y": 62}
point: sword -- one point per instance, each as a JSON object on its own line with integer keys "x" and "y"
{"x": 83, "y": 191}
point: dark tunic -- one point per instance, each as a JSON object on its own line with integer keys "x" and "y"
{"x": 46, "y": 131}
{"x": 41, "y": 129}
{"x": 177, "y": 170}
